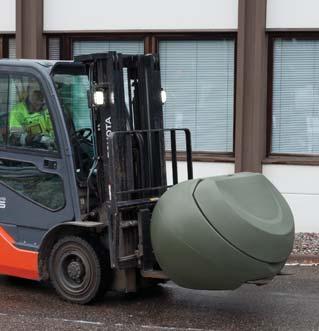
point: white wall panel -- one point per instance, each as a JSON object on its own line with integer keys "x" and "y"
{"x": 305, "y": 209}
{"x": 101, "y": 15}
{"x": 285, "y": 14}
{"x": 300, "y": 187}
{"x": 8, "y": 16}
{"x": 201, "y": 170}
{"x": 293, "y": 179}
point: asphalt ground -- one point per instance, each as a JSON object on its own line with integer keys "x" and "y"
{"x": 290, "y": 302}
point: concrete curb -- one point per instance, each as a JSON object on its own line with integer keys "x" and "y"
{"x": 303, "y": 260}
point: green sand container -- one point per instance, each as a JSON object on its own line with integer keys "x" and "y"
{"x": 218, "y": 233}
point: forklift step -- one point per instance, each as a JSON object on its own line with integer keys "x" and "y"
{"x": 155, "y": 274}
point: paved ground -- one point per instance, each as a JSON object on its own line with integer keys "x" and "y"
{"x": 288, "y": 303}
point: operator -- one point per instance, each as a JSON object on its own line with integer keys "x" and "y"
{"x": 30, "y": 123}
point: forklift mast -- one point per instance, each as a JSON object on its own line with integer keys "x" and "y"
{"x": 142, "y": 111}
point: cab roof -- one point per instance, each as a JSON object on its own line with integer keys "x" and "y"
{"x": 45, "y": 65}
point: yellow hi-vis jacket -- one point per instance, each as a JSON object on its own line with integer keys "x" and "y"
{"x": 31, "y": 123}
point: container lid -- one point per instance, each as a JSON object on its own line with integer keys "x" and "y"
{"x": 248, "y": 212}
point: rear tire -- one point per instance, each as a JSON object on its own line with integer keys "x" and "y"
{"x": 79, "y": 270}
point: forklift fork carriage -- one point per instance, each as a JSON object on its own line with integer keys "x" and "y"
{"x": 144, "y": 194}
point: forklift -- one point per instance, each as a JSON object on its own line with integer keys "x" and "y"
{"x": 92, "y": 210}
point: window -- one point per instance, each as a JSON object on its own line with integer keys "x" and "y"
{"x": 27, "y": 180}
{"x": 124, "y": 47}
{"x": 295, "y": 97}
{"x": 127, "y": 47}
{"x": 8, "y": 47}
{"x": 73, "y": 93}
{"x": 24, "y": 116}
{"x": 198, "y": 77}
{"x": 12, "y": 50}
{"x": 54, "y": 49}
{"x": 72, "y": 85}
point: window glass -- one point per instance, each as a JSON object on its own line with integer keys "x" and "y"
{"x": 4, "y": 89}
{"x": 198, "y": 77}
{"x": 125, "y": 47}
{"x": 54, "y": 48}
{"x": 72, "y": 87}
{"x": 27, "y": 180}
{"x": 73, "y": 94}
{"x": 12, "y": 48}
{"x": 29, "y": 122}
{"x": 295, "y": 108}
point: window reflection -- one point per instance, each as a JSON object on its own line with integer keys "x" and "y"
{"x": 27, "y": 180}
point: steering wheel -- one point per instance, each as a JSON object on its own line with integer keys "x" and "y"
{"x": 83, "y": 134}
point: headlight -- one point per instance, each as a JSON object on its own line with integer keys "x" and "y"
{"x": 98, "y": 98}
{"x": 163, "y": 96}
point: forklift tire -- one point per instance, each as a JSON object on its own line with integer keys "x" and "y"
{"x": 78, "y": 270}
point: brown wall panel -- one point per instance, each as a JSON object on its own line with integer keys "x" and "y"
{"x": 251, "y": 94}
{"x": 1, "y": 47}
{"x": 30, "y": 40}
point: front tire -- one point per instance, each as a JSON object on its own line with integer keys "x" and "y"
{"x": 79, "y": 272}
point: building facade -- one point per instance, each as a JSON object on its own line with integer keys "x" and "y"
{"x": 243, "y": 75}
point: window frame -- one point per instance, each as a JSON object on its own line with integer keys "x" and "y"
{"x": 283, "y": 158}
{"x": 67, "y": 40}
{"x": 24, "y": 71}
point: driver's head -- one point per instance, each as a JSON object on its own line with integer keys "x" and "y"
{"x": 36, "y": 100}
